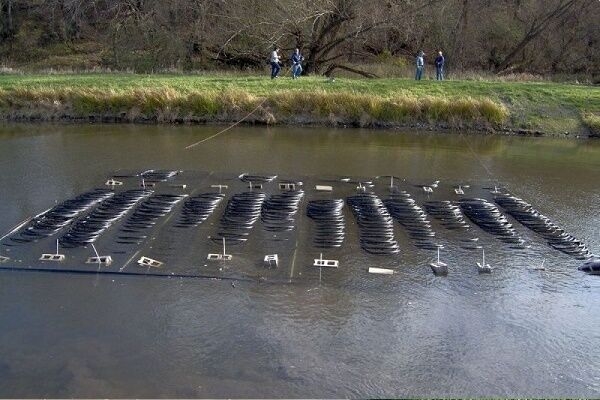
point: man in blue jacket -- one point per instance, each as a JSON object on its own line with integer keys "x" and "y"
{"x": 439, "y": 67}
{"x": 296, "y": 63}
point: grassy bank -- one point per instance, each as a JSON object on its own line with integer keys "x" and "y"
{"x": 540, "y": 106}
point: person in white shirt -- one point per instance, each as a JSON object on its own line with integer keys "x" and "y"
{"x": 275, "y": 67}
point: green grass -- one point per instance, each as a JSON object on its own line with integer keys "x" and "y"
{"x": 592, "y": 121}
{"x": 545, "y": 106}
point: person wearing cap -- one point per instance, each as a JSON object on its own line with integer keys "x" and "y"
{"x": 439, "y": 67}
{"x": 420, "y": 65}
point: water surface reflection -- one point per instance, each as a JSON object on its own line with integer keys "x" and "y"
{"x": 516, "y": 332}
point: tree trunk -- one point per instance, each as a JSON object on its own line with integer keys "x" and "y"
{"x": 537, "y": 27}
{"x": 333, "y": 67}
{"x": 10, "y": 19}
{"x": 460, "y": 33}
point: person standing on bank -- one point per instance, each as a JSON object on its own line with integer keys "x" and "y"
{"x": 275, "y": 68}
{"x": 296, "y": 63}
{"x": 439, "y": 67}
{"x": 420, "y": 65}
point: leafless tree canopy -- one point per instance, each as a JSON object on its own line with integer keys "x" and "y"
{"x": 539, "y": 36}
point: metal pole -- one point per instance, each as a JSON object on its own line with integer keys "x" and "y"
{"x": 97, "y": 255}
{"x": 320, "y": 267}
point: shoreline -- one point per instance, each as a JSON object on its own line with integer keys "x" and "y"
{"x": 523, "y": 108}
{"x": 304, "y": 122}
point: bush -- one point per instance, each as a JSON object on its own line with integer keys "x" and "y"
{"x": 592, "y": 121}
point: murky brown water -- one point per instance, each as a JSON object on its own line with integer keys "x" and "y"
{"x": 516, "y": 332}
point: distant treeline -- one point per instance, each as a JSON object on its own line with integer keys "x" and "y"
{"x": 541, "y": 37}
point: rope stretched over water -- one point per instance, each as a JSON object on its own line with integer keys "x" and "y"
{"x": 476, "y": 157}
{"x": 228, "y": 128}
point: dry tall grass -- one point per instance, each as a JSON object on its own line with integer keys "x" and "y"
{"x": 592, "y": 121}
{"x": 165, "y": 104}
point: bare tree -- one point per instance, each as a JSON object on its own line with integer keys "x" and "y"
{"x": 536, "y": 23}
{"x": 6, "y": 19}
{"x": 543, "y": 36}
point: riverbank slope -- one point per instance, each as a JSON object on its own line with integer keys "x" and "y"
{"x": 517, "y": 107}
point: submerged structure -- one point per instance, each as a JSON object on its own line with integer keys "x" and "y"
{"x": 280, "y": 229}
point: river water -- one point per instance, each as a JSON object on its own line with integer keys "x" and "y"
{"x": 516, "y": 332}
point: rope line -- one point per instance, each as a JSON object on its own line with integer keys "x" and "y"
{"x": 228, "y": 128}
{"x": 476, "y": 157}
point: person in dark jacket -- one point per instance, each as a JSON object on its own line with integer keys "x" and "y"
{"x": 296, "y": 63}
{"x": 420, "y": 65}
{"x": 439, "y": 67}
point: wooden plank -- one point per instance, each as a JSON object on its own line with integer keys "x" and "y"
{"x": 381, "y": 271}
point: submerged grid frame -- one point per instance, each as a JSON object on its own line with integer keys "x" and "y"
{"x": 183, "y": 250}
